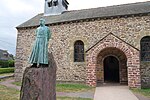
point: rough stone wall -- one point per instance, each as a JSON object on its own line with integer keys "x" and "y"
{"x": 25, "y": 39}
{"x": 129, "y": 29}
{"x": 145, "y": 74}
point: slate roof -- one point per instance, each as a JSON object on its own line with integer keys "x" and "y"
{"x": 4, "y": 55}
{"x": 101, "y": 12}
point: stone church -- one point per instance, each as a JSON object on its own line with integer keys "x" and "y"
{"x": 93, "y": 46}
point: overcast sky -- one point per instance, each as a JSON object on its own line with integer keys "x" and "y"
{"x": 15, "y": 12}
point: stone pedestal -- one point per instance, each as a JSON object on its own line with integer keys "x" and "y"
{"x": 39, "y": 83}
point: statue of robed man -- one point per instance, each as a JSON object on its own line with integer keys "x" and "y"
{"x": 39, "y": 54}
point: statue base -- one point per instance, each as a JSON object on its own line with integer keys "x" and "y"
{"x": 39, "y": 84}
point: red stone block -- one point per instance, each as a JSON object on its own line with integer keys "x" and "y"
{"x": 39, "y": 84}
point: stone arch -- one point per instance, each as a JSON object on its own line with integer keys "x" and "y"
{"x": 131, "y": 53}
{"x": 111, "y": 51}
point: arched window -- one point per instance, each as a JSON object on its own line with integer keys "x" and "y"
{"x": 145, "y": 48}
{"x": 53, "y": 3}
{"x": 79, "y": 51}
{"x": 50, "y": 4}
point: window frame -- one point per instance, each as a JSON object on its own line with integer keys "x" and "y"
{"x": 145, "y": 41}
{"x": 79, "y": 56}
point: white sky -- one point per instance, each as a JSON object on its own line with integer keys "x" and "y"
{"x": 15, "y": 12}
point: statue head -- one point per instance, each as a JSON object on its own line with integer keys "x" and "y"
{"x": 42, "y": 22}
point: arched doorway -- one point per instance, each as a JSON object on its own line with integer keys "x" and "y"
{"x": 111, "y": 66}
{"x": 128, "y": 56}
{"x": 111, "y": 69}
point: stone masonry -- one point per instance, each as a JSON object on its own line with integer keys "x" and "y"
{"x": 132, "y": 54}
{"x": 112, "y": 51}
{"x": 122, "y": 33}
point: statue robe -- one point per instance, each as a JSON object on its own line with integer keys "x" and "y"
{"x": 39, "y": 52}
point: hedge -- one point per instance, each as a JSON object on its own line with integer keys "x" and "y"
{"x": 6, "y": 64}
{"x": 6, "y": 70}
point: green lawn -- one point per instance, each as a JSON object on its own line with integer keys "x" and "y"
{"x": 8, "y": 93}
{"x": 72, "y": 88}
{"x": 6, "y": 70}
{"x": 145, "y": 92}
{"x": 12, "y": 94}
{"x": 68, "y": 87}
{"x": 17, "y": 83}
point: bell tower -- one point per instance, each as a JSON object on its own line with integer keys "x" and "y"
{"x": 55, "y": 7}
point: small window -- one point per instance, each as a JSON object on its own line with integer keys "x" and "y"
{"x": 5, "y": 54}
{"x": 79, "y": 51}
{"x": 55, "y": 2}
{"x": 50, "y": 4}
{"x": 145, "y": 48}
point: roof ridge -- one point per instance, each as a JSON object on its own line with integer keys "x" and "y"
{"x": 99, "y": 12}
{"x": 100, "y": 7}
{"x": 110, "y": 6}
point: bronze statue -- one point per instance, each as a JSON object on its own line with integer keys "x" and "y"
{"x": 39, "y": 54}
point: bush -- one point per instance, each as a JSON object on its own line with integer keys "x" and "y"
{"x": 11, "y": 63}
{"x": 6, "y": 70}
{"x": 6, "y": 64}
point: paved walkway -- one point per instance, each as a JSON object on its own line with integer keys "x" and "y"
{"x": 6, "y": 76}
{"x": 114, "y": 93}
{"x": 9, "y": 84}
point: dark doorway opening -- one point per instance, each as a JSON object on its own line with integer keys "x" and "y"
{"x": 111, "y": 69}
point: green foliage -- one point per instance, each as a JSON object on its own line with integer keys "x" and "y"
{"x": 6, "y": 64}
{"x": 67, "y": 87}
{"x": 6, "y": 70}
{"x": 11, "y": 63}
{"x": 72, "y": 87}
{"x": 145, "y": 92}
